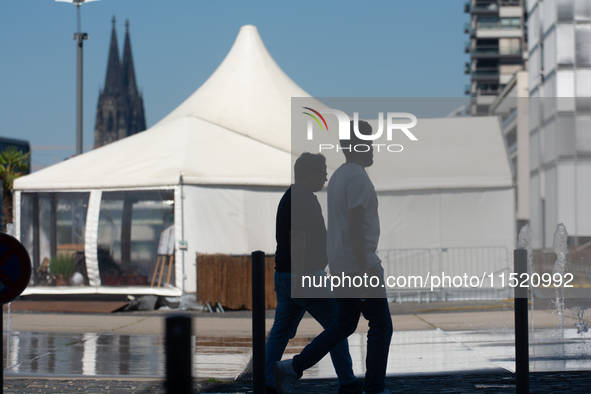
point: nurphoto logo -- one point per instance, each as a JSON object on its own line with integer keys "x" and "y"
{"x": 345, "y": 129}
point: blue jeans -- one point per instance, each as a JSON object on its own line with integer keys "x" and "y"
{"x": 376, "y": 311}
{"x": 288, "y": 314}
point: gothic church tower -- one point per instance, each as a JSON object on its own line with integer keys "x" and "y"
{"x": 120, "y": 109}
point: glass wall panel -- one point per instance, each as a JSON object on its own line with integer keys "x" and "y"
{"x": 45, "y": 228}
{"x": 583, "y": 45}
{"x": 582, "y": 10}
{"x": 53, "y": 224}
{"x": 26, "y": 235}
{"x": 565, "y": 9}
{"x": 131, "y": 224}
{"x": 565, "y": 142}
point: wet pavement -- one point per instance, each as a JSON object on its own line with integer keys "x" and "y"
{"x": 471, "y": 352}
{"x": 412, "y": 352}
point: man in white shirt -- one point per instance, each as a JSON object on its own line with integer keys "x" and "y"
{"x": 353, "y": 233}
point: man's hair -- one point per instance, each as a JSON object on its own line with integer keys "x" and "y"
{"x": 364, "y": 128}
{"x": 308, "y": 162}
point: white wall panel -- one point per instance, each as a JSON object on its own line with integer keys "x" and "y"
{"x": 565, "y": 137}
{"x": 583, "y": 133}
{"x": 583, "y": 83}
{"x": 478, "y": 218}
{"x": 583, "y": 187}
{"x": 565, "y": 90}
{"x": 410, "y": 220}
{"x": 535, "y": 211}
{"x": 565, "y": 190}
{"x": 549, "y": 15}
{"x": 550, "y": 212}
{"x": 550, "y": 52}
{"x": 549, "y": 133}
{"x": 548, "y": 103}
{"x": 227, "y": 220}
{"x": 565, "y": 50}
{"x": 534, "y": 152}
{"x": 535, "y": 68}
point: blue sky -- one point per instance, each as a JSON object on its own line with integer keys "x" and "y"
{"x": 331, "y": 48}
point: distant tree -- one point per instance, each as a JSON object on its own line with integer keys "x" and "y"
{"x": 13, "y": 164}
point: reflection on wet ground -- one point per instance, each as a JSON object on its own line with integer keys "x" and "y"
{"x": 412, "y": 352}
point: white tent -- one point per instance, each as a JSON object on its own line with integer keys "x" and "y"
{"x": 225, "y": 160}
{"x": 219, "y": 164}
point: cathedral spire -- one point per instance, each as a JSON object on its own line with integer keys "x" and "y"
{"x": 113, "y": 79}
{"x": 129, "y": 83}
{"x": 120, "y": 109}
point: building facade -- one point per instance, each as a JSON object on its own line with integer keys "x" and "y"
{"x": 512, "y": 107}
{"x": 498, "y": 38}
{"x": 560, "y": 119}
{"x": 120, "y": 109}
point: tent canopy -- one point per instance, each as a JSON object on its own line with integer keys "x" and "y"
{"x": 199, "y": 151}
{"x": 248, "y": 93}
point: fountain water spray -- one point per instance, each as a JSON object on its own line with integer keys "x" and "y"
{"x": 582, "y": 325}
{"x": 560, "y": 248}
{"x": 524, "y": 241}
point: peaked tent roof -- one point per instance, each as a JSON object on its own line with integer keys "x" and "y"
{"x": 248, "y": 93}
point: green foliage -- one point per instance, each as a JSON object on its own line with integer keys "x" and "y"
{"x": 13, "y": 163}
{"x": 61, "y": 265}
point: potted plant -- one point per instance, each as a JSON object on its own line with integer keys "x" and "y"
{"x": 61, "y": 268}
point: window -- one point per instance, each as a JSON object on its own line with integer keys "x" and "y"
{"x": 129, "y": 232}
{"x": 511, "y": 23}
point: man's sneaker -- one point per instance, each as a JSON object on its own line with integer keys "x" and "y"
{"x": 386, "y": 391}
{"x": 352, "y": 388}
{"x": 285, "y": 376}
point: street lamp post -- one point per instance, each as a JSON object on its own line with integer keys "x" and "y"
{"x": 79, "y": 37}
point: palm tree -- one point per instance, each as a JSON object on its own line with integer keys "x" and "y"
{"x": 13, "y": 163}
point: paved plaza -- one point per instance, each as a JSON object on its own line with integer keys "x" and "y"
{"x": 435, "y": 348}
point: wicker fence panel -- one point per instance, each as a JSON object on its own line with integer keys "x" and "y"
{"x": 227, "y": 280}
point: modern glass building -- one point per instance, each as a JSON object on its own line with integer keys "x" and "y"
{"x": 560, "y": 119}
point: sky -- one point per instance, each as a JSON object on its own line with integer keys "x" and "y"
{"x": 330, "y": 48}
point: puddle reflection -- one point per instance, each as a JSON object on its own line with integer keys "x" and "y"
{"x": 411, "y": 352}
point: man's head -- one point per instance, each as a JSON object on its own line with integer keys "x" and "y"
{"x": 310, "y": 171}
{"x": 357, "y": 150}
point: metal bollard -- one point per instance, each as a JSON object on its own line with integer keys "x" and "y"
{"x": 521, "y": 325}
{"x": 258, "y": 322}
{"x": 179, "y": 365}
